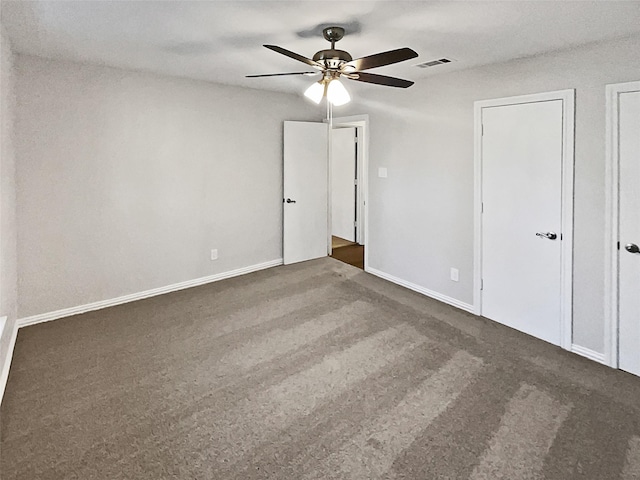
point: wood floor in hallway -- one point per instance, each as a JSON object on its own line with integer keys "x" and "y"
{"x": 348, "y": 252}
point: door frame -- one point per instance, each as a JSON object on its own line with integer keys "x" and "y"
{"x": 361, "y": 122}
{"x": 566, "y": 270}
{"x": 612, "y": 218}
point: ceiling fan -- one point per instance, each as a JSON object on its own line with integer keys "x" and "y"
{"x": 333, "y": 64}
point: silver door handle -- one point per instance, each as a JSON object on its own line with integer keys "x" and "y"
{"x": 632, "y": 248}
{"x": 549, "y": 235}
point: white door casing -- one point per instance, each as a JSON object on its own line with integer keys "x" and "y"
{"x": 305, "y": 198}
{"x": 622, "y": 309}
{"x": 343, "y": 186}
{"x": 524, "y": 187}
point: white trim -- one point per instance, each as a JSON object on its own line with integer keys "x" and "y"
{"x": 568, "y": 162}
{"x": 568, "y": 128}
{"x": 362, "y": 122}
{"x": 611, "y": 318}
{"x": 588, "y": 353}
{"x": 477, "y": 209}
{"x": 66, "y": 312}
{"x": 425, "y": 291}
{"x": 4, "y": 375}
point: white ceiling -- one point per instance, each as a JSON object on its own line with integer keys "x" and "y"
{"x": 220, "y": 41}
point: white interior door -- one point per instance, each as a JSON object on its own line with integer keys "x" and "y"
{"x": 343, "y": 183}
{"x": 521, "y": 254}
{"x": 305, "y": 198}
{"x": 629, "y": 230}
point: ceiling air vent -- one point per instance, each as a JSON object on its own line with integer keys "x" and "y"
{"x": 433, "y": 63}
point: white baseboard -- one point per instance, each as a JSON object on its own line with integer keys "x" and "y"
{"x": 6, "y": 364}
{"x": 588, "y": 353}
{"x": 425, "y": 291}
{"x": 67, "y": 312}
{"x": 577, "y": 349}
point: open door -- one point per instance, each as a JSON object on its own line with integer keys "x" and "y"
{"x": 305, "y": 229}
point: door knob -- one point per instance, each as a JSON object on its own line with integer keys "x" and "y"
{"x": 548, "y": 235}
{"x": 632, "y": 248}
{"x": 288, "y": 200}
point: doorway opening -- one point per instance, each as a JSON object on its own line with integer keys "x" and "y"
{"x": 307, "y": 202}
{"x": 347, "y": 165}
{"x": 347, "y": 251}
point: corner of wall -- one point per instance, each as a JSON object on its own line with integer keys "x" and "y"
{"x": 8, "y": 333}
{"x": 8, "y": 230}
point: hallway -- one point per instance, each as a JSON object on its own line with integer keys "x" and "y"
{"x": 348, "y": 252}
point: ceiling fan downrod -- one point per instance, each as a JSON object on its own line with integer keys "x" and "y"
{"x": 333, "y": 35}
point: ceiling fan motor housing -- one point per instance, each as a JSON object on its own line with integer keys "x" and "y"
{"x": 332, "y": 58}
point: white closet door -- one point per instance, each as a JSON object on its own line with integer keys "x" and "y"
{"x": 522, "y": 164}
{"x": 629, "y": 230}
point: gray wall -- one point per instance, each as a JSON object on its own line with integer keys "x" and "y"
{"x": 421, "y": 216}
{"x": 8, "y": 281}
{"x": 126, "y": 181}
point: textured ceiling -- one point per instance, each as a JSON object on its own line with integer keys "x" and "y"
{"x": 220, "y": 41}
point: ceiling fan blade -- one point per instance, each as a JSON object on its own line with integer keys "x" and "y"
{"x": 295, "y": 56}
{"x": 380, "y": 79}
{"x": 280, "y": 74}
{"x": 379, "y": 59}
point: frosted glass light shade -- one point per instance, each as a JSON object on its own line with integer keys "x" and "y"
{"x": 315, "y": 92}
{"x": 337, "y": 94}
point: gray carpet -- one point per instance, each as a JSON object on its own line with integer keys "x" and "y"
{"x": 310, "y": 371}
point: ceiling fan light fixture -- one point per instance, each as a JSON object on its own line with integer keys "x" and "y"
{"x": 333, "y": 63}
{"x": 337, "y": 94}
{"x": 315, "y": 92}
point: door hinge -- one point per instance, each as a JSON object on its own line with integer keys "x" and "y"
{"x": 355, "y": 224}
{"x": 618, "y": 245}
{"x": 482, "y": 129}
{"x": 355, "y": 181}
{"x": 481, "y": 284}
{"x": 482, "y": 207}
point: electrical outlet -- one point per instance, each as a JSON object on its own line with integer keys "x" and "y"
{"x": 455, "y": 275}
{"x": 214, "y": 254}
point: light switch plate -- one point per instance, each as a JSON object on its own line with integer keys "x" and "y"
{"x": 455, "y": 275}
{"x": 382, "y": 172}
